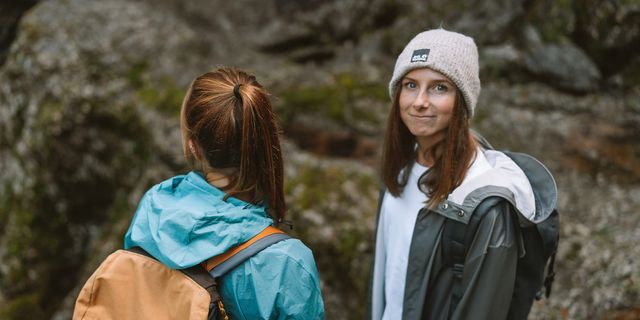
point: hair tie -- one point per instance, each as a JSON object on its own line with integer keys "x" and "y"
{"x": 236, "y": 92}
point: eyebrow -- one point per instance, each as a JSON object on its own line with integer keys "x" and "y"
{"x": 433, "y": 80}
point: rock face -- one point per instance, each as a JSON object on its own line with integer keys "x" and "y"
{"x": 590, "y": 144}
{"x": 81, "y": 127}
{"x": 564, "y": 65}
{"x": 89, "y": 99}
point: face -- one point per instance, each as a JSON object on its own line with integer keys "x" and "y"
{"x": 427, "y": 99}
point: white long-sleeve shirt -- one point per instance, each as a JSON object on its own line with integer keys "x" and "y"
{"x": 397, "y": 219}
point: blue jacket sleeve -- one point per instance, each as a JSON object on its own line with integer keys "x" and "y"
{"x": 281, "y": 282}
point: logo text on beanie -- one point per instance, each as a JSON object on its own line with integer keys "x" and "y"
{"x": 420, "y": 55}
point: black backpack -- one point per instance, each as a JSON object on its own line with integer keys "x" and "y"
{"x": 540, "y": 243}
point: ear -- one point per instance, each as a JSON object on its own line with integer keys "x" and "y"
{"x": 195, "y": 149}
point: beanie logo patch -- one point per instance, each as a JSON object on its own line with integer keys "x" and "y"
{"x": 420, "y": 55}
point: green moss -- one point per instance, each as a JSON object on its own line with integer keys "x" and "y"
{"x": 24, "y": 307}
{"x": 346, "y": 200}
{"x": 49, "y": 113}
{"x": 136, "y": 73}
{"x": 162, "y": 94}
{"x": 573, "y": 252}
{"x": 338, "y": 101}
{"x": 319, "y": 184}
{"x": 554, "y": 19}
{"x": 50, "y": 227}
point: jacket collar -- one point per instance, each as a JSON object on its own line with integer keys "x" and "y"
{"x": 518, "y": 178}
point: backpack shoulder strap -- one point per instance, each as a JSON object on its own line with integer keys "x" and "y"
{"x": 223, "y": 263}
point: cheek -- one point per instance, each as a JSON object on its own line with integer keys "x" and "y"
{"x": 402, "y": 110}
{"x": 403, "y": 105}
{"x": 446, "y": 105}
{"x": 403, "y": 115}
{"x": 404, "y": 101}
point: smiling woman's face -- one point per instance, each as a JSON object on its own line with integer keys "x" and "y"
{"x": 427, "y": 98}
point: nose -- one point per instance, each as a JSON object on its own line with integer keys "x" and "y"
{"x": 422, "y": 100}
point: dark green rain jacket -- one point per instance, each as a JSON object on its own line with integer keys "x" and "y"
{"x": 528, "y": 195}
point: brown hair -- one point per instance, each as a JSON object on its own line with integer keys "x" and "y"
{"x": 228, "y": 114}
{"x": 453, "y": 155}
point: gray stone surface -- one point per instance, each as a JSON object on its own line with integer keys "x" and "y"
{"x": 82, "y": 94}
{"x": 563, "y": 65}
{"x": 90, "y": 90}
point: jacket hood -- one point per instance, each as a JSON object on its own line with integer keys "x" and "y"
{"x": 519, "y": 178}
{"x": 544, "y": 186}
{"x": 184, "y": 220}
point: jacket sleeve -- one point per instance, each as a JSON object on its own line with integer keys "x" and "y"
{"x": 280, "y": 282}
{"x": 490, "y": 267}
{"x": 300, "y": 296}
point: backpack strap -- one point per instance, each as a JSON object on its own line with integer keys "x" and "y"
{"x": 457, "y": 238}
{"x": 548, "y": 279}
{"x": 223, "y": 263}
{"x": 550, "y": 237}
{"x": 205, "y": 273}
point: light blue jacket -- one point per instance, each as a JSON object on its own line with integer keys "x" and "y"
{"x": 184, "y": 221}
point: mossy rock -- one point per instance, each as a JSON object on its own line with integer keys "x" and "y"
{"x": 346, "y": 101}
{"x": 79, "y": 129}
{"x": 160, "y": 93}
{"x": 333, "y": 206}
{"x": 25, "y": 307}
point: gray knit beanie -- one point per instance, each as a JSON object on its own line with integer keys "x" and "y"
{"x": 450, "y": 53}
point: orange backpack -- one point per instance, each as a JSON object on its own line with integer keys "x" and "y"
{"x": 130, "y": 284}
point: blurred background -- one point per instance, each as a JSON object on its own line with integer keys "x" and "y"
{"x": 89, "y": 102}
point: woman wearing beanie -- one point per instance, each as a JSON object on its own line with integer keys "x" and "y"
{"x": 437, "y": 180}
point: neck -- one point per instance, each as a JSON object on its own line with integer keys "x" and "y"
{"x": 425, "y": 146}
{"x": 220, "y": 179}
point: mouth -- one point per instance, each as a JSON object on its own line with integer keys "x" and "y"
{"x": 422, "y": 116}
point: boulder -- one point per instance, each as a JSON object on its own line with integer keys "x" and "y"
{"x": 563, "y": 64}
{"x": 84, "y": 93}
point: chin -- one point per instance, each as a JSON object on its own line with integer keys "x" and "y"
{"x": 423, "y": 133}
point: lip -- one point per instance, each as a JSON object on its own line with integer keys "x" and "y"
{"x": 422, "y": 116}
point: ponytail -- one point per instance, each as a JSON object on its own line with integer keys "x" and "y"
{"x": 260, "y": 155}
{"x": 229, "y": 115}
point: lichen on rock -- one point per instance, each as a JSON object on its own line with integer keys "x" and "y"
{"x": 75, "y": 136}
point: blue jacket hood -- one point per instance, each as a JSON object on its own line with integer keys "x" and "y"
{"x": 184, "y": 220}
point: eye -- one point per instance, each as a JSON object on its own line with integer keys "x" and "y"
{"x": 410, "y": 85}
{"x": 440, "y": 87}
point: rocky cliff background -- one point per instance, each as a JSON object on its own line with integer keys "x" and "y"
{"x": 89, "y": 99}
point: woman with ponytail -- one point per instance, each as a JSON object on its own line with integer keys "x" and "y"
{"x": 235, "y": 191}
